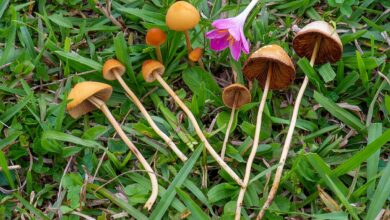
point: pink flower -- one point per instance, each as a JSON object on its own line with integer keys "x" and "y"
{"x": 229, "y": 32}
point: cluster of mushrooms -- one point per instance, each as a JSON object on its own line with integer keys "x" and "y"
{"x": 270, "y": 66}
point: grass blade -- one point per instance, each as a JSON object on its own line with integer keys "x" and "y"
{"x": 32, "y": 209}
{"x": 196, "y": 211}
{"x": 374, "y": 131}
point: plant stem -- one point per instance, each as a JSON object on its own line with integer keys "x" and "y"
{"x": 153, "y": 178}
{"x": 287, "y": 143}
{"x": 159, "y": 55}
{"x": 199, "y": 132}
{"x": 229, "y": 126}
{"x": 145, "y": 113}
{"x": 188, "y": 41}
{"x": 255, "y": 145}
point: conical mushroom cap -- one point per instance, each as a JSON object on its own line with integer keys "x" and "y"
{"x": 195, "y": 54}
{"x": 182, "y": 16}
{"x": 330, "y": 48}
{"x": 229, "y": 93}
{"x": 155, "y": 37}
{"x": 79, "y": 104}
{"x": 258, "y": 63}
{"x": 110, "y": 66}
{"x": 151, "y": 67}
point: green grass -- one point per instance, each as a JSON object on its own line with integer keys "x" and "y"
{"x": 341, "y": 143}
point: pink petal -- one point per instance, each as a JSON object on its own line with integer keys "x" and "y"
{"x": 219, "y": 44}
{"x": 235, "y": 49}
{"x": 216, "y": 33}
{"x": 244, "y": 44}
{"x": 235, "y": 32}
{"x": 224, "y": 23}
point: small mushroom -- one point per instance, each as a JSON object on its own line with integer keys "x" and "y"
{"x": 182, "y": 16}
{"x": 153, "y": 70}
{"x": 274, "y": 69}
{"x": 321, "y": 43}
{"x": 196, "y": 56}
{"x": 156, "y": 37}
{"x": 86, "y": 97}
{"x": 113, "y": 70}
{"x": 233, "y": 96}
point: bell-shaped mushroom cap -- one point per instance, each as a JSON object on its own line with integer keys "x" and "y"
{"x": 330, "y": 48}
{"x": 151, "y": 67}
{"x": 196, "y": 54}
{"x": 110, "y": 66}
{"x": 155, "y": 37}
{"x": 229, "y": 93}
{"x": 258, "y": 63}
{"x": 182, "y": 16}
{"x": 79, "y": 104}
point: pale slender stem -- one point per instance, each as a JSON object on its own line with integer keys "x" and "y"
{"x": 13, "y": 167}
{"x": 201, "y": 64}
{"x": 145, "y": 113}
{"x": 153, "y": 178}
{"x": 199, "y": 132}
{"x": 159, "y": 55}
{"x": 188, "y": 41}
{"x": 254, "y": 146}
{"x": 225, "y": 140}
{"x": 287, "y": 143}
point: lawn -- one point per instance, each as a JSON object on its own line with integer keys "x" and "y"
{"x": 199, "y": 109}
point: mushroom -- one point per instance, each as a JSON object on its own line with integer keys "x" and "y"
{"x": 156, "y": 37}
{"x": 321, "y": 43}
{"x": 274, "y": 69}
{"x": 87, "y": 96}
{"x": 182, "y": 16}
{"x": 196, "y": 56}
{"x": 233, "y": 96}
{"x": 113, "y": 70}
{"x": 153, "y": 70}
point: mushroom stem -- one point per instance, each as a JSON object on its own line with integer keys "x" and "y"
{"x": 201, "y": 63}
{"x": 229, "y": 126}
{"x": 199, "y": 132}
{"x": 145, "y": 113}
{"x": 287, "y": 143}
{"x": 188, "y": 41}
{"x": 158, "y": 53}
{"x": 153, "y": 178}
{"x": 254, "y": 146}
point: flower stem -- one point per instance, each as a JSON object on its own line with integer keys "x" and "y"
{"x": 248, "y": 9}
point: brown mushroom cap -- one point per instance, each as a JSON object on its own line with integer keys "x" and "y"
{"x": 155, "y": 37}
{"x": 182, "y": 16}
{"x": 283, "y": 70}
{"x": 229, "y": 92}
{"x": 110, "y": 66}
{"x": 149, "y": 68}
{"x": 195, "y": 54}
{"x": 330, "y": 48}
{"x": 79, "y": 104}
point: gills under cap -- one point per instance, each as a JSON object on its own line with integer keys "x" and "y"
{"x": 238, "y": 91}
{"x": 151, "y": 67}
{"x": 110, "y": 66}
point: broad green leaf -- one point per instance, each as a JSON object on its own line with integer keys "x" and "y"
{"x": 82, "y": 61}
{"x": 327, "y": 73}
{"x": 60, "y": 20}
{"x": 347, "y": 38}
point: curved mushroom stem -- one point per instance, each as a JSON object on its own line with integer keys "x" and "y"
{"x": 159, "y": 55}
{"x": 153, "y": 178}
{"x": 201, "y": 64}
{"x": 199, "y": 132}
{"x": 287, "y": 143}
{"x": 254, "y": 146}
{"x": 145, "y": 113}
{"x": 229, "y": 126}
{"x": 188, "y": 41}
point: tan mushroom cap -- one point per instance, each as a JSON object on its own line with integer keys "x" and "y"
{"x": 229, "y": 92}
{"x": 151, "y": 67}
{"x": 110, "y": 66}
{"x": 195, "y": 54}
{"x": 283, "y": 70}
{"x": 182, "y": 16}
{"x": 155, "y": 37}
{"x": 330, "y": 48}
{"x": 79, "y": 104}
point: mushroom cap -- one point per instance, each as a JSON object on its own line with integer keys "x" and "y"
{"x": 182, "y": 16}
{"x": 79, "y": 104}
{"x": 155, "y": 37}
{"x": 195, "y": 54}
{"x": 229, "y": 92}
{"x": 258, "y": 63}
{"x": 330, "y": 48}
{"x": 110, "y": 66}
{"x": 149, "y": 68}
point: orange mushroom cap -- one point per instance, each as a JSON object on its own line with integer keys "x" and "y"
{"x": 155, "y": 37}
{"x": 195, "y": 54}
{"x": 330, "y": 48}
{"x": 79, "y": 104}
{"x": 151, "y": 67}
{"x": 258, "y": 63}
{"x": 110, "y": 66}
{"x": 182, "y": 16}
{"x": 229, "y": 93}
